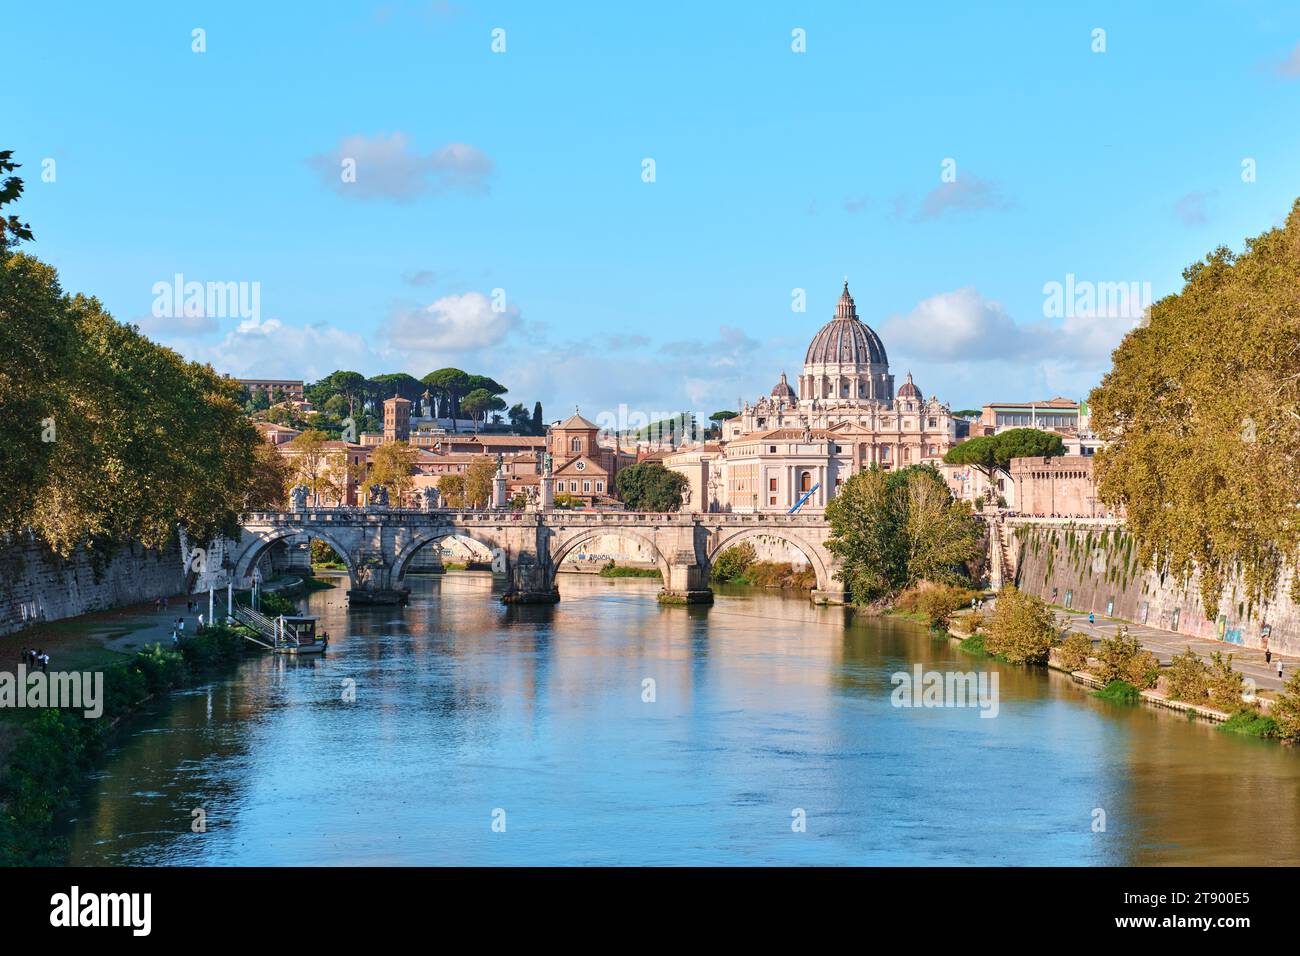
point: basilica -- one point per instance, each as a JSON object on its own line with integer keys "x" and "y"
{"x": 796, "y": 446}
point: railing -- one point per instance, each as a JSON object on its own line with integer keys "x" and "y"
{"x": 558, "y": 516}
{"x": 279, "y": 633}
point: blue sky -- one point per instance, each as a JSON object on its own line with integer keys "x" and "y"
{"x": 522, "y": 172}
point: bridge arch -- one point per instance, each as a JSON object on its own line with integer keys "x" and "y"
{"x": 561, "y": 548}
{"x": 431, "y": 538}
{"x": 820, "y": 566}
{"x": 255, "y": 544}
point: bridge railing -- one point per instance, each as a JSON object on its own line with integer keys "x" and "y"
{"x": 557, "y": 516}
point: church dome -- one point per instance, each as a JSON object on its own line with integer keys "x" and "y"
{"x": 846, "y": 340}
{"x": 909, "y": 389}
{"x": 783, "y": 392}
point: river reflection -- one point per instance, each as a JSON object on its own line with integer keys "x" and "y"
{"x": 763, "y": 706}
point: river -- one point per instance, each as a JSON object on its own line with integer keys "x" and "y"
{"x": 487, "y": 734}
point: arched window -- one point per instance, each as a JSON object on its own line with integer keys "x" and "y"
{"x": 805, "y": 481}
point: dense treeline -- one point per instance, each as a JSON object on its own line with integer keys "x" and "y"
{"x": 112, "y": 438}
{"x": 1202, "y": 408}
{"x": 450, "y": 393}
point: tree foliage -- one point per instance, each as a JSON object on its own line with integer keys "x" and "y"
{"x": 1022, "y": 629}
{"x": 649, "y": 486}
{"x": 1202, "y": 410}
{"x": 991, "y": 454}
{"x": 893, "y": 529}
{"x": 392, "y": 465}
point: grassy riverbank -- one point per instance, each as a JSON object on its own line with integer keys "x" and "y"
{"x": 613, "y": 570}
{"x": 52, "y": 751}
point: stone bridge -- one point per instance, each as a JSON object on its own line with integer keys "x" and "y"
{"x": 378, "y": 545}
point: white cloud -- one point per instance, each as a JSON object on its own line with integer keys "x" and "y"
{"x": 454, "y": 323}
{"x": 953, "y": 326}
{"x": 273, "y": 349}
{"x": 389, "y": 168}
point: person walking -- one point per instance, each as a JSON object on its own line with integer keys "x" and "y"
{"x": 1279, "y": 668}
{"x": 1092, "y": 618}
{"x": 200, "y": 622}
{"x": 1268, "y": 655}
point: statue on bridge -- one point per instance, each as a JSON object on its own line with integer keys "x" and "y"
{"x": 378, "y": 496}
{"x": 298, "y": 498}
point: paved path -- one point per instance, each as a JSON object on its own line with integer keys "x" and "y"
{"x": 1168, "y": 644}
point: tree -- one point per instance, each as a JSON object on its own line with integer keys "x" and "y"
{"x": 520, "y": 421}
{"x": 1202, "y": 413}
{"x": 452, "y": 489}
{"x": 310, "y": 458}
{"x": 1023, "y": 628}
{"x": 37, "y": 346}
{"x": 271, "y": 475}
{"x": 12, "y": 230}
{"x": 865, "y": 536}
{"x": 939, "y": 535}
{"x": 1120, "y": 657}
{"x": 113, "y": 438}
{"x": 990, "y": 454}
{"x": 539, "y": 426}
{"x": 649, "y": 486}
{"x": 892, "y": 530}
{"x": 1286, "y": 709}
{"x": 393, "y": 466}
{"x": 478, "y": 483}
{"x": 350, "y": 385}
{"x": 1188, "y": 677}
{"x": 448, "y": 386}
{"x": 383, "y": 387}
{"x": 478, "y": 403}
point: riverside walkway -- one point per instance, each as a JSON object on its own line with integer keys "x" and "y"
{"x": 1166, "y": 645}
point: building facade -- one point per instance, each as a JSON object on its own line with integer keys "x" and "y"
{"x": 796, "y": 447}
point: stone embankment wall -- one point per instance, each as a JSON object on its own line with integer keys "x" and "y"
{"x": 36, "y": 585}
{"x": 1093, "y": 566}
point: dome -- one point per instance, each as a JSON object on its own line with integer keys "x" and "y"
{"x": 846, "y": 340}
{"x": 783, "y": 392}
{"x": 909, "y": 389}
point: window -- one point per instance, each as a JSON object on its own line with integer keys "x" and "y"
{"x": 771, "y": 485}
{"x": 771, "y": 500}
{"x": 575, "y": 444}
{"x": 600, "y": 486}
{"x": 581, "y": 466}
{"x": 771, "y": 449}
{"x": 934, "y": 423}
{"x": 838, "y": 450}
{"x": 586, "y": 486}
{"x": 805, "y": 481}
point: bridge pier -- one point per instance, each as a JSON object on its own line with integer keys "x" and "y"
{"x": 836, "y": 594}
{"x": 687, "y": 581}
{"x": 532, "y": 581}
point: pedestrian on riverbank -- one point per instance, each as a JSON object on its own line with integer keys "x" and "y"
{"x": 200, "y": 622}
{"x": 1092, "y": 618}
{"x": 44, "y": 660}
{"x": 1279, "y": 668}
{"x": 175, "y": 639}
{"x": 1268, "y": 655}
